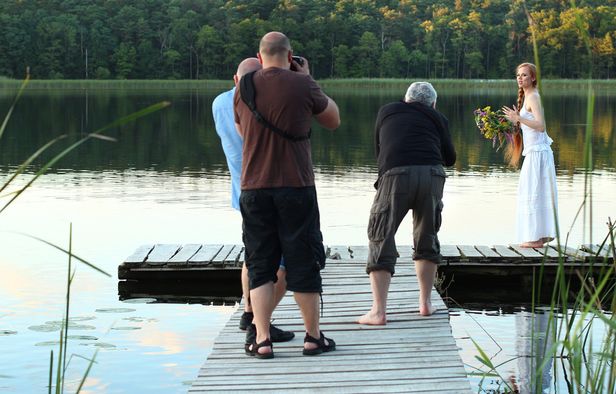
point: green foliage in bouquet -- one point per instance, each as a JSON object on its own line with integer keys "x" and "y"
{"x": 494, "y": 126}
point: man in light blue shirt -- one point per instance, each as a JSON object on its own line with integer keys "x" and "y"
{"x": 222, "y": 110}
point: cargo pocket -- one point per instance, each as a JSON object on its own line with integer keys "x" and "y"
{"x": 379, "y": 219}
{"x": 438, "y": 217}
{"x": 318, "y": 251}
{"x": 438, "y": 181}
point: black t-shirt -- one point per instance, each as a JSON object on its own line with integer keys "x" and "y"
{"x": 412, "y": 134}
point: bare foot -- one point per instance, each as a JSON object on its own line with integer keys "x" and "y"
{"x": 373, "y": 319}
{"x": 426, "y": 309}
{"x": 534, "y": 244}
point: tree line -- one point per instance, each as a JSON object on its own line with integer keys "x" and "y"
{"x": 205, "y": 39}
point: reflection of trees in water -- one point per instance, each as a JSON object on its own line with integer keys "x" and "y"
{"x": 183, "y": 137}
{"x": 532, "y": 343}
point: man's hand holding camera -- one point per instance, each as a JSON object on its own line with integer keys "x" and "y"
{"x": 300, "y": 64}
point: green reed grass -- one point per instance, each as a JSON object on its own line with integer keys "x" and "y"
{"x": 134, "y": 84}
{"x": 353, "y": 85}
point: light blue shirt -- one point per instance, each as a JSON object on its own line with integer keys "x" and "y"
{"x": 222, "y": 109}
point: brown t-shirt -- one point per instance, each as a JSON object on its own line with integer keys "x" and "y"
{"x": 288, "y": 100}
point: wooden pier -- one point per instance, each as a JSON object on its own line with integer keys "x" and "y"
{"x": 480, "y": 275}
{"x": 410, "y": 354}
{"x": 222, "y": 263}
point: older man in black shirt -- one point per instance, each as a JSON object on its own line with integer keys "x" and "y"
{"x": 412, "y": 145}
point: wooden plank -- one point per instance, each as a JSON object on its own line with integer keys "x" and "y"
{"x": 221, "y": 256}
{"x": 505, "y": 251}
{"x": 487, "y": 251}
{"x": 595, "y": 249}
{"x": 337, "y": 252}
{"x": 184, "y": 254}
{"x": 575, "y": 253}
{"x": 232, "y": 258}
{"x": 205, "y": 254}
{"x": 139, "y": 255}
{"x": 527, "y": 253}
{"x": 403, "y": 385}
{"x": 449, "y": 251}
{"x": 358, "y": 253}
{"x": 162, "y": 253}
{"x": 469, "y": 251}
{"x": 548, "y": 252}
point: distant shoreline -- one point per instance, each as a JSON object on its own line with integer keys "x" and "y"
{"x": 351, "y": 85}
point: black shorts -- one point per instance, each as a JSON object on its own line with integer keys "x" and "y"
{"x": 283, "y": 222}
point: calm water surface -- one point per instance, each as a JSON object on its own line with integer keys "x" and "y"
{"x": 165, "y": 181}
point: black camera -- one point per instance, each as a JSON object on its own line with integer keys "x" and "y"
{"x": 299, "y": 60}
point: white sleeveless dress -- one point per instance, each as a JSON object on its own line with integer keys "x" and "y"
{"x": 537, "y": 197}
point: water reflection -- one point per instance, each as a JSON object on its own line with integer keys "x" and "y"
{"x": 182, "y": 138}
{"x": 532, "y": 344}
{"x": 520, "y": 344}
{"x": 165, "y": 181}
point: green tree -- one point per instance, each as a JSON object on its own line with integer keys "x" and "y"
{"x": 366, "y": 57}
{"x": 395, "y": 61}
{"x": 125, "y": 58}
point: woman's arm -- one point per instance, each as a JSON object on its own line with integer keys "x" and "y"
{"x": 534, "y": 103}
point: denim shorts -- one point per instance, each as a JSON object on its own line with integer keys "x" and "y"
{"x": 417, "y": 188}
{"x": 283, "y": 222}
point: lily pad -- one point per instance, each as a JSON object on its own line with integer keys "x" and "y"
{"x": 83, "y": 337}
{"x": 101, "y": 345}
{"x": 45, "y": 328}
{"x": 48, "y": 343}
{"x": 138, "y": 319}
{"x": 4, "y": 333}
{"x": 82, "y": 318}
{"x": 71, "y": 325}
{"x": 115, "y": 310}
{"x": 126, "y": 328}
{"x": 139, "y": 301}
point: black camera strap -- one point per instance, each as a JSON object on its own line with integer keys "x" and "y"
{"x": 248, "y": 93}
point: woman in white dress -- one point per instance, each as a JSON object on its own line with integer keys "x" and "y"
{"x": 537, "y": 198}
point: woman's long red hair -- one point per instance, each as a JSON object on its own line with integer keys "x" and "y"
{"x": 513, "y": 151}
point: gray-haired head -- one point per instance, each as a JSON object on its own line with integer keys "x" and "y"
{"x": 421, "y": 92}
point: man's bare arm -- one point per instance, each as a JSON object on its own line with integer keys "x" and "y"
{"x": 330, "y": 117}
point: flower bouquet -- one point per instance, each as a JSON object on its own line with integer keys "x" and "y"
{"x": 494, "y": 126}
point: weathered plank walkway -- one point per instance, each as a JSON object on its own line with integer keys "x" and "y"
{"x": 410, "y": 354}
{"x": 222, "y": 262}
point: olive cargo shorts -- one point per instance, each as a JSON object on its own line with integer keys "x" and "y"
{"x": 418, "y": 188}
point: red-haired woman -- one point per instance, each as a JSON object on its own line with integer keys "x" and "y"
{"x": 537, "y": 202}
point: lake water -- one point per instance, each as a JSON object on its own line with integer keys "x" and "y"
{"x": 165, "y": 181}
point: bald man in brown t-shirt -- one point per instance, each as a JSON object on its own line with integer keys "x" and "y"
{"x": 278, "y": 200}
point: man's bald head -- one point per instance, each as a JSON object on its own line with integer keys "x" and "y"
{"x": 274, "y": 44}
{"x": 246, "y": 66}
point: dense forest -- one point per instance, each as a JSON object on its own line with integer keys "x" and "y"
{"x": 205, "y": 39}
